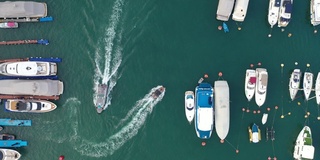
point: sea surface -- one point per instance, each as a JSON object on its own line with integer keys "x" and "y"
{"x": 135, "y": 46}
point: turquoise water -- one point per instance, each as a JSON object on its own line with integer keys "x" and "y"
{"x": 136, "y": 46}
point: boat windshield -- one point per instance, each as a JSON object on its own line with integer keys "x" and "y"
{"x": 189, "y": 97}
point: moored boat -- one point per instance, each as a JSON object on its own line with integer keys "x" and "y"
{"x": 315, "y": 12}
{"x": 240, "y": 10}
{"x": 204, "y": 112}
{"x": 14, "y": 122}
{"x": 264, "y": 118}
{"x": 9, "y": 154}
{"x": 5, "y": 136}
{"x": 304, "y": 149}
{"x": 28, "y": 68}
{"x": 285, "y": 13}
{"x": 317, "y": 89}
{"x": 101, "y": 97}
{"x": 307, "y": 84}
{"x": 254, "y": 133}
{"x": 250, "y": 83}
{"x": 29, "y": 105}
{"x": 294, "y": 83}
{"x": 273, "y": 12}
{"x": 9, "y": 25}
{"x": 224, "y": 9}
{"x": 261, "y": 87}
{"x": 189, "y": 105}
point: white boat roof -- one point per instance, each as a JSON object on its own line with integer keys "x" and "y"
{"x": 307, "y": 152}
{"x": 22, "y": 68}
{"x": 255, "y": 137}
{"x": 205, "y": 119}
{"x": 224, "y": 9}
{"x": 240, "y": 10}
{"x": 20, "y": 9}
{"x": 222, "y": 108}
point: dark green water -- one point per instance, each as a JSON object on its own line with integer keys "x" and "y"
{"x": 138, "y": 45}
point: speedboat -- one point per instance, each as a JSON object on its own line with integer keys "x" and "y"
{"x": 315, "y": 12}
{"x": 5, "y": 136}
{"x": 28, "y": 68}
{"x": 254, "y": 133}
{"x": 189, "y": 105}
{"x": 101, "y": 97}
{"x": 158, "y": 92}
{"x": 273, "y": 13}
{"x": 204, "y": 112}
{"x": 9, "y": 25}
{"x": 9, "y": 154}
{"x": 261, "y": 87}
{"x": 240, "y": 10}
{"x": 29, "y": 105}
{"x": 307, "y": 84}
{"x": 250, "y": 83}
{"x": 317, "y": 89}
{"x": 303, "y": 149}
{"x": 294, "y": 83}
{"x": 264, "y": 118}
{"x": 285, "y": 13}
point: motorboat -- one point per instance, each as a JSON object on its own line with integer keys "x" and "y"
{"x": 317, "y": 89}
{"x": 101, "y": 97}
{"x": 261, "y": 87}
{"x": 315, "y": 12}
{"x": 307, "y": 84}
{"x": 273, "y": 12}
{"x": 254, "y": 133}
{"x": 5, "y": 136}
{"x": 9, "y": 25}
{"x": 303, "y": 149}
{"x": 294, "y": 83}
{"x": 285, "y": 13}
{"x": 222, "y": 108}
{"x": 204, "y": 110}
{"x": 264, "y": 118}
{"x": 224, "y": 9}
{"x": 240, "y": 10}
{"x": 9, "y": 154}
{"x": 28, "y": 68}
{"x": 189, "y": 105}
{"x": 158, "y": 92}
{"x": 29, "y": 105}
{"x": 250, "y": 83}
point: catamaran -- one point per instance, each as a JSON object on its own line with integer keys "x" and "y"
{"x": 315, "y": 12}
{"x": 261, "y": 88}
{"x": 189, "y": 105}
{"x": 250, "y": 83}
{"x": 273, "y": 13}
{"x": 294, "y": 83}
{"x": 317, "y": 89}
{"x": 240, "y": 10}
{"x": 307, "y": 84}
{"x": 285, "y": 13}
{"x": 303, "y": 149}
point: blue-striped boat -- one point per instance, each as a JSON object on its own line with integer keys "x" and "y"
{"x": 11, "y": 122}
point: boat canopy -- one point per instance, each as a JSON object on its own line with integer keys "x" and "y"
{"x": 307, "y": 152}
{"x": 205, "y": 119}
{"x": 22, "y": 9}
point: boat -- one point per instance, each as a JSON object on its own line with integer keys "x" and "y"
{"x": 315, "y": 12}
{"x": 222, "y": 108}
{"x": 317, "y": 89}
{"x": 250, "y": 83}
{"x": 261, "y": 87}
{"x": 5, "y": 136}
{"x": 13, "y": 143}
{"x": 240, "y": 10}
{"x": 285, "y": 13}
{"x": 254, "y": 133}
{"x": 303, "y": 149}
{"x": 22, "y": 9}
{"x": 9, "y": 25}
{"x": 158, "y": 92}
{"x": 189, "y": 105}
{"x": 28, "y": 68}
{"x": 29, "y": 105}
{"x": 9, "y": 154}
{"x": 224, "y": 9}
{"x": 294, "y": 83}
{"x": 225, "y": 27}
{"x": 264, "y": 118}
{"x": 101, "y": 97}
{"x": 204, "y": 112}
{"x": 273, "y": 12}
{"x": 307, "y": 84}
{"x": 270, "y": 133}
{"x": 12, "y": 122}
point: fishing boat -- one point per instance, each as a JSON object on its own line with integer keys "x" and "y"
{"x": 315, "y": 12}
{"x": 294, "y": 83}
{"x": 225, "y": 27}
{"x": 9, "y": 25}
{"x": 101, "y": 97}
{"x": 5, "y": 136}
{"x": 29, "y": 105}
{"x": 317, "y": 89}
{"x": 264, "y": 118}
{"x": 9, "y": 154}
{"x": 28, "y": 68}
{"x": 204, "y": 112}
{"x": 240, "y": 10}
{"x": 222, "y": 108}
{"x": 261, "y": 87}
{"x": 273, "y": 12}
{"x": 285, "y": 13}
{"x": 224, "y": 9}
{"x": 250, "y": 83}
{"x": 158, "y": 92}
{"x": 303, "y": 149}
{"x": 254, "y": 133}
{"x": 307, "y": 84}
{"x": 189, "y": 105}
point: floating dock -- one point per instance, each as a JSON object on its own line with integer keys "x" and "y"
{"x": 11, "y": 122}
{"x": 29, "y": 97}
{"x": 13, "y": 143}
{"x": 18, "y": 42}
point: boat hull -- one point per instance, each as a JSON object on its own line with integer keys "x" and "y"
{"x": 294, "y": 83}
{"x": 303, "y": 148}
{"x": 101, "y": 97}
{"x": 10, "y": 154}
{"x": 315, "y": 12}
{"x": 317, "y": 89}
{"x": 224, "y": 9}
{"x": 189, "y": 105}
{"x": 250, "y": 83}
{"x": 9, "y": 25}
{"x": 285, "y": 13}
{"x": 261, "y": 87}
{"x": 307, "y": 84}
{"x": 264, "y": 118}
{"x": 29, "y": 105}
{"x": 273, "y": 12}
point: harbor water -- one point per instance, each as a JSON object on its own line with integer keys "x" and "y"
{"x": 135, "y": 46}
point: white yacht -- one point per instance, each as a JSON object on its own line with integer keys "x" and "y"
{"x": 28, "y": 68}
{"x": 261, "y": 87}
{"x": 317, "y": 89}
{"x": 303, "y": 149}
{"x": 250, "y": 83}
{"x": 307, "y": 84}
{"x": 9, "y": 154}
{"x": 285, "y": 13}
{"x": 29, "y": 105}
{"x": 315, "y": 12}
{"x": 273, "y": 12}
{"x": 189, "y": 105}
{"x": 294, "y": 83}
{"x": 224, "y": 9}
{"x": 240, "y": 10}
